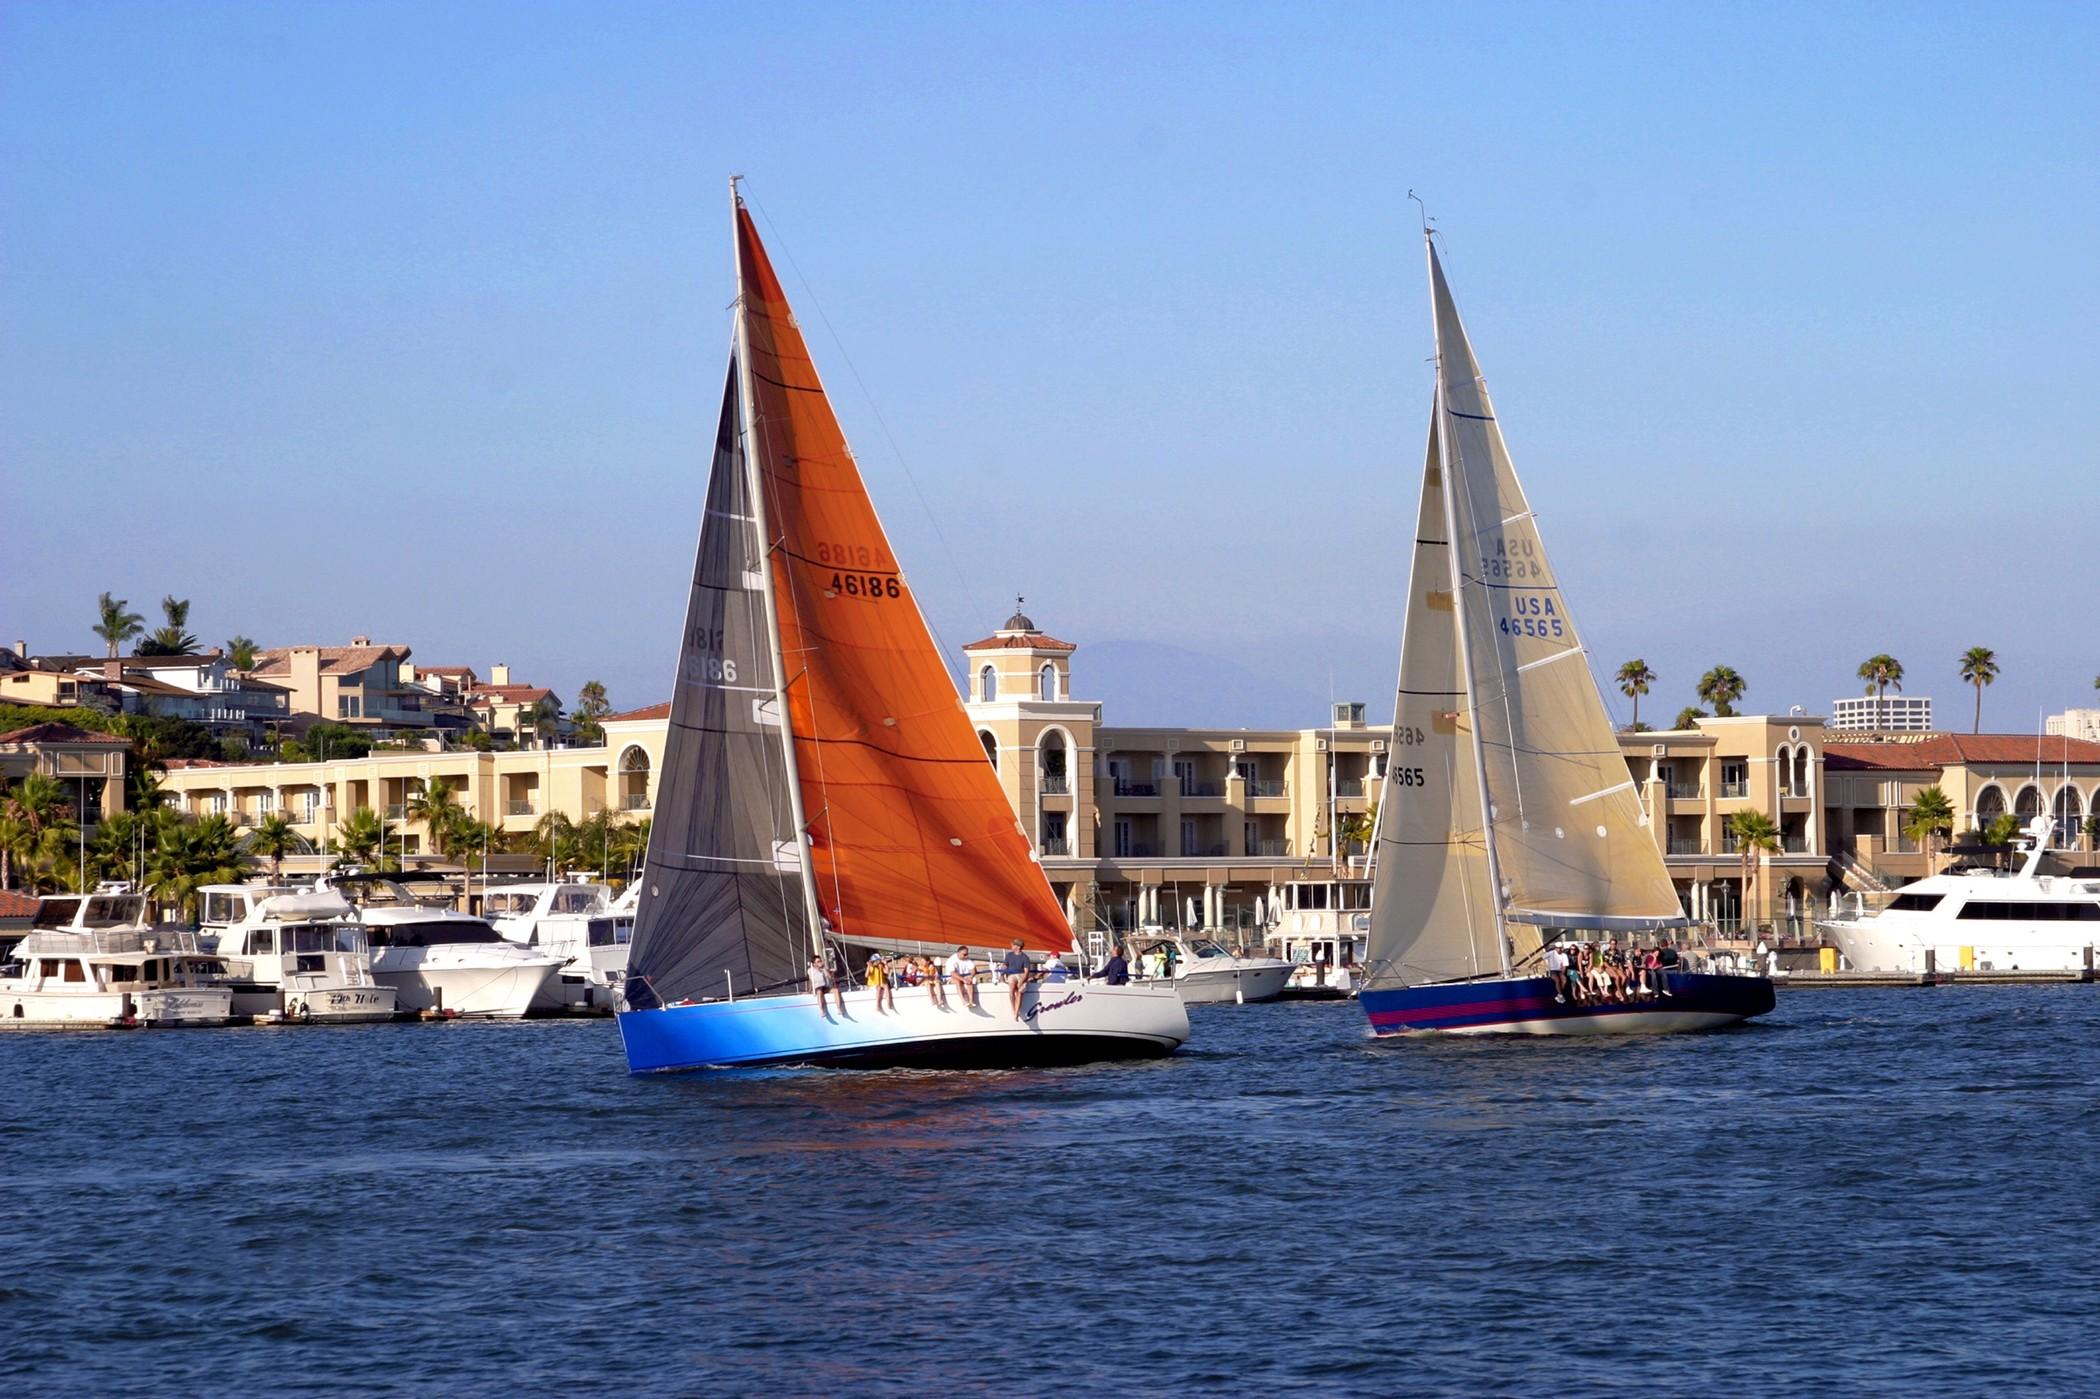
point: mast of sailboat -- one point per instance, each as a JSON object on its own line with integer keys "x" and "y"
{"x": 1458, "y": 603}
{"x": 754, "y": 487}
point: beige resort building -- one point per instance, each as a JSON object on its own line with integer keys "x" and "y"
{"x": 1144, "y": 824}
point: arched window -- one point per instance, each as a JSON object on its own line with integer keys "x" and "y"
{"x": 2027, "y": 805}
{"x": 1801, "y": 772}
{"x": 1783, "y": 771}
{"x": 1046, "y": 682}
{"x": 1050, "y": 762}
{"x": 1990, "y": 805}
{"x": 2070, "y": 816}
{"x": 991, "y": 746}
{"x": 987, "y": 683}
{"x": 634, "y": 779}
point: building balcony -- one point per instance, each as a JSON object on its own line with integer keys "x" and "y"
{"x": 1136, "y": 851}
{"x": 1794, "y": 845}
{"x": 1131, "y": 787}
{"x": 1055, "y": 784}
{"x": 1200, "y": 851}
{"x": 1683, "y": 791}
{"x": 1192, "y": 787}
{"x": 396, "y": 811}
{"x": 519, "y": 808}
{"x": 1057, "y": 846}
{"x": 1687, "y": 845}
{"x": 635, "y": 801}
{"x": 1735, "y": 789}
{"x": 1271, "y": 849}
{"x": 1267, "y": 787}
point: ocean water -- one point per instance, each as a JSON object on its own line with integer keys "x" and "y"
{"x": 1886, "y": 1191}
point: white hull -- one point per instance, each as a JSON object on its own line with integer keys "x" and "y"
{"x": 339, "y": 1005}
{"x": 500, "y": 988}
{"x": 172, "y": 1008}
{"x": 1879, "y": 945}
{"x": 1068, "y": 1021}
{"x": 1254, "y": 980}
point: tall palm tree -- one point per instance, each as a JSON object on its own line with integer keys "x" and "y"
{"x": 273, "y": 838}
{"x": 15, "y": 838}
{"x": 174, "y": 639}
{"x": 1929, "y": 817}
{"x": 118, "y": 625}
{"x": 1883, "y": 673}
{"x": 1634, "y": 679}
{"x": 40, "y": 800}
{"x": 1979, "y": 666}
{"x": 1755, "y": 835}
{"x": 1721, "y": 687}
{"x": 241, "y": 652}
{"x": 440, "y": 813}
{"x": 143, "y": 788}
{"x": 357, "y": 835}
{"x": 591, "y": 706}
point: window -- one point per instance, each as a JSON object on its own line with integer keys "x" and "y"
{"x": 1123, "y": 840}
{"x": 991, "y": 748}
{"x": 2002, "y": 911}
{"x": 987, "y": 683}
{"x": 263, "y": 943}
{"x": 1916, "y": 903}
{"x": 1046, "y": 682}
{"x": 1054, "y": 834}
{"x": 1188, "y": 837}
{"x": 1250, "y": 836}
{"x": 436, "y": 933}
{"x": 576, "y": 898}
{"x": 1356, "y": 896}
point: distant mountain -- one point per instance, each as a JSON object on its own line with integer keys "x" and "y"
{"x": 1150, "y": 683}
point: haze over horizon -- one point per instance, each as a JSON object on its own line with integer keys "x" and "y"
{"x": 409, "y": 323}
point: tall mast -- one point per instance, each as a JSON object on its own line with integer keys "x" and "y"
{"x": 754, "y": 486}
{"x": 1458, "y": 602}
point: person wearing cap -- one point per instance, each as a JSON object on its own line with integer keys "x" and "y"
{"x": 1019, "y": 972}
{"x": 878, "y": 976}
{"x": 1053, "y": 968}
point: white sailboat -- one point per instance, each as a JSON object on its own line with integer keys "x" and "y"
{"x": 823, "y": 793}
{"x": 1509, "y": 820}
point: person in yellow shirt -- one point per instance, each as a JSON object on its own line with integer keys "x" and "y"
{"x": 878, "y": 976}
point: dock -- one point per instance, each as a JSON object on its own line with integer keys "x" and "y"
{"x": 1848, "y": 980}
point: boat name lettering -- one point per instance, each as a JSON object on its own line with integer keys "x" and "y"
{"x": 1072, "y": 998}
{"x": 865, "y": 585}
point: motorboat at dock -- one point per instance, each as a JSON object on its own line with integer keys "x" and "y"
{"x": 300, "y": 957}
{"x": 93, "y": 960}
{"x": 1206, "y": 972}
{"x": 576, "y": 921}
{"x": 439, "y": 959}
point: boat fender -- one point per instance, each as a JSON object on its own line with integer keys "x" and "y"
{"x": 306, "y": 1013}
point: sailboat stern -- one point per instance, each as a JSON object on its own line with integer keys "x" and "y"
{"x": 1526, "y": 1006}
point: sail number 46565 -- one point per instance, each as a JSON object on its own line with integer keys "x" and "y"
{"x": 1409, "y": 777}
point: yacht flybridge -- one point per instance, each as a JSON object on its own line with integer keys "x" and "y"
{"x": 1981, "y": 918}
{"x": 840, "y": 803}
{"x": 1507, "y": 820}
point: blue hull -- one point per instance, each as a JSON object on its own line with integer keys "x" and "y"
{"x": 1525, "y": 1006}
{"x": 1073, "y": 1024}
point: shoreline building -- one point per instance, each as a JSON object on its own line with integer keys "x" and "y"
{"x": 1889, "y": 714}
{"x": 2074, "y": 723}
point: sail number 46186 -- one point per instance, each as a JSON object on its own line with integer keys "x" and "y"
{"x": 865, "y": 585}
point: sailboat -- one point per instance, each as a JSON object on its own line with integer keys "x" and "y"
{"x": 1509, "y": 822}
{"x": 823, "y": 794}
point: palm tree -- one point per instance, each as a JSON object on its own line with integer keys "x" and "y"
{"x": 541, "y": 719}
{"x": 2001, "y": 829}
{"x": 2092, "y": 828}
{"x": 15, "y": 838}
{"x": 1979, "y": 666}
{"x": 1688, "y": 717}
{"x": 1721, "y": 687}
{"x": 241, "y": 652}
{"x": 440, "y": 813}
{"x": 1634, "y": 679}
{"x": 273, "y": 838}
{"x": 357, "y": 836}
{"x": 1755, "y": 835}
{"x": 591, "y": 706}
{"x": 143, "y": 790}
{"x": 554, "y": 840}
{"x": 117, "y": 625}
{"x": 1883, "y": 673}
{"x": 39, "y": 799}
{"x": 189, "y": 855}
{"x": 174, "y": 639}
{"x": 1929, "y": 817}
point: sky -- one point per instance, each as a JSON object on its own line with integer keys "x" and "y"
{"x": 409, "y": 321}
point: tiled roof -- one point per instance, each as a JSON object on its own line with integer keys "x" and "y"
{"x": 335, "y": 660}
{"x": 508, "y": 694}
{"x": 646, "y": 712}
{"x": 14, "y": 904}
{"x": 56, "y": 732}
{"x": 1948, "y": 750}
{"x": 171, "y": 662}
{"x": 445, "y": 669}
{"x": 1023, "y": 641}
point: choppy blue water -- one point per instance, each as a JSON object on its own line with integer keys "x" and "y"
{"x": 1886, "y": 1191}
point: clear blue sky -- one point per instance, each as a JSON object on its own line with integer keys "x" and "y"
{"x": 409, "y": 320}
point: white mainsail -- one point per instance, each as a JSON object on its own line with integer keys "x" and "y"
{"x": 1495, "y": 688}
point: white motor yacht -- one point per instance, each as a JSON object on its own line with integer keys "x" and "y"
{"x": 1982, "y": 919}
{"x": 1206, "y": 973}
{"x": 299, "y": 957}
{"x": 439, "y": 959}
{"x": 577, "y": 922}
{"x": 93, "y": 960}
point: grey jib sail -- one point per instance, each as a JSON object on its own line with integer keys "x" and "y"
{"x": 721, "y": 908}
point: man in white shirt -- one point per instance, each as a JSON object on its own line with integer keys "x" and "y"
{"x": 1557, "y": 968}
{"x": 962, "y": 972}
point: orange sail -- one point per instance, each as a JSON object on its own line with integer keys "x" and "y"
{"x": 911, "y": 839}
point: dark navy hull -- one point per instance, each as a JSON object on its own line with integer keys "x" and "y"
{"x": 1525, "y": 1006}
